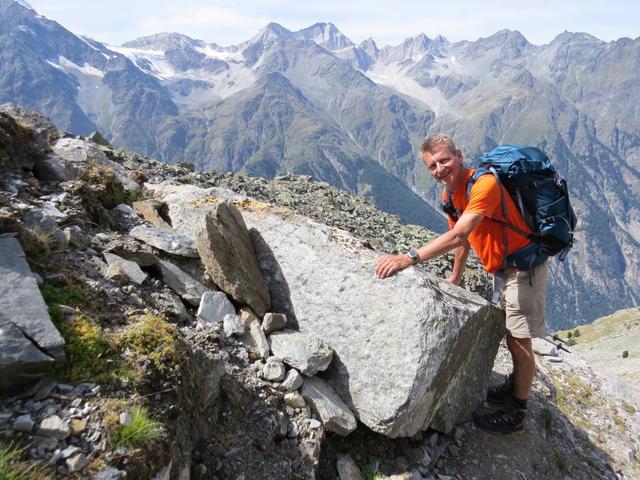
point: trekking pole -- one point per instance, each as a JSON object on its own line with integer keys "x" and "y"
{"x": 556, "y": 337}
{"x": 557, "y": 345}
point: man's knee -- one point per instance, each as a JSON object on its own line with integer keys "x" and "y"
{"x": 520, "y": 347}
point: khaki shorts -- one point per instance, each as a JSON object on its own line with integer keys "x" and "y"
{"x": 523, "y": 301}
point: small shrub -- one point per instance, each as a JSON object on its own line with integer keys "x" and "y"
{"x": 571, "y": 342}
{"x": 569, "y": 334}
{"x": 576, "y": 333}
{"x": 141, "y": 431}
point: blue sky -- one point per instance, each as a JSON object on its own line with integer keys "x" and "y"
{"x": 229, "y": 22}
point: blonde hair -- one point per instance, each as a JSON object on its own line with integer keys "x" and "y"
{"x": 432, "y": 142}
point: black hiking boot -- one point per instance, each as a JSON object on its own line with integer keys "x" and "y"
{"x": 507, "y": 419}
{"x": 499, "y": 394}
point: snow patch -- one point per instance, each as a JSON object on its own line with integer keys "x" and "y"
{"x": 86, "y": 69}
{"x": 25, "y": 29}
{"x": 211, "y": 52}
{"x": 394, "y": 76}
{"x": 55, "y": 65}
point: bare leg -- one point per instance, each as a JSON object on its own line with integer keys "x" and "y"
{"x": 524, "y": 365}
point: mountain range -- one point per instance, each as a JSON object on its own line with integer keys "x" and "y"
{"x": 313, "y": 102}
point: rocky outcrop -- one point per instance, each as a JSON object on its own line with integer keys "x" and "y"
{"x": 29, "y": 342}
{"x": 75, "y": 155}
{"x": 226, "y": 252}
{"x": 438, "y": 366}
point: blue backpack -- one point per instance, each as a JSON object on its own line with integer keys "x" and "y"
{"x": 540, "y": 194}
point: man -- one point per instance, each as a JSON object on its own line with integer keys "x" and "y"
{"x": 523, "y": 290}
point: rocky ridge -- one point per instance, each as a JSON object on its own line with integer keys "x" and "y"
{"x": 239, "y": 402}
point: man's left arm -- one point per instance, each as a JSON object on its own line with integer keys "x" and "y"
{"x": 454, "y": 238}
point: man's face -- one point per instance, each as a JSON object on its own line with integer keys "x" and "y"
{"x": 445, "y": 166}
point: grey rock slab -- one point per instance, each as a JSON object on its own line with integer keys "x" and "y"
{"x": 293, "y": 380}
{"x": 256, "y": 339}
{"x": 233, "y": 325}
{"x": 21, "y": 302}
{"x": 227, "y": 254}
{"x": 119, "y": 267}
{"x": 348, "y": 468}
{"x": 21, "y": 362}
{"x": 434, "y": 342}
{"x": 214, "y": 306}
{"x": 274, "y": 321}
{"x": 165, "y": 240}
{"x": 190, "y": 289}
{"x": 54, "y": 427}
{"x": 305, "y": 352}
{"x": 149, "y": 209}
{"x": 334, "y": 413}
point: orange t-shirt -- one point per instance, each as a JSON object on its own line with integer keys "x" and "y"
{"x": 487, "y": 239}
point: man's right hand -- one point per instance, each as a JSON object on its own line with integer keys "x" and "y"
{"x": 452, "y": 279}
{"x": 390, "y": 264}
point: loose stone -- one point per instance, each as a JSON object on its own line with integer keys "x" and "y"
{"x": 293, "y": 380}
{"x": 54, "y": 427}
{"x": 24, "y": 423}
{"x": 294, "y": 399}
{"x": 274, "y": 321}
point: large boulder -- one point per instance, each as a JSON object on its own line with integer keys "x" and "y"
{"x": 29, "y": 342}
{"x": 226, "y": 252}
{"x": 411, "y": 351}
{"x": 76, "y": 155}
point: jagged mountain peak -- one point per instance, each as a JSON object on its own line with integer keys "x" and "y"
{"x": 410, "y": 48}
{"x": 326, "y": 35}
{"x": 506, "y": 37}
{"x": 575, "y": 37}
{"x": 274, "y": 31}
{"x": 163, "y": 41}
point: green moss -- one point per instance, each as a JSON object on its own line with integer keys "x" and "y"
{"x": 371, "y": 469}
{"x": 90, "y": 355}
{"x": 71, "y": 295}
{"x": 154, "y": 340}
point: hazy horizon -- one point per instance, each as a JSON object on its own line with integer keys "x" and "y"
{"x": 227, "y": 23}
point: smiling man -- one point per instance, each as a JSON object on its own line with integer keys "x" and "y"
{"x": 476, "y": 223}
